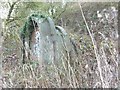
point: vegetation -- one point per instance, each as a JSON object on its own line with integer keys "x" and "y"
{"x": 94, "y": 30}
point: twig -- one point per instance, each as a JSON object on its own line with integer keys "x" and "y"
{"x": 95, "y": 46}
{"x": 11, "y": 9}
{"x": 61, "y": 13}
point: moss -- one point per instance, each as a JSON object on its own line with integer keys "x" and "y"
{"x": 28, "y": 28}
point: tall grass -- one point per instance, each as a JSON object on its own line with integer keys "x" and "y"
{"x": 95, "y": 67}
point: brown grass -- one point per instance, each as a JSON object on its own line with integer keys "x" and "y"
{"x": 95, "y": 66}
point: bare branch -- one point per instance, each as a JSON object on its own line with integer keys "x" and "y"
{"x": 11, "y": 9}
{"x": 61, "y": 12}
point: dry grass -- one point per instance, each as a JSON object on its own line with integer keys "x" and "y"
{"x": 95, "y": 66}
